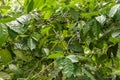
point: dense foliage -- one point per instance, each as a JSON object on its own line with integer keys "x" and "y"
{"x": 59, "y": 39}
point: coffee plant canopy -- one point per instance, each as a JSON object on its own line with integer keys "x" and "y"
{"x": 59, "y": 39}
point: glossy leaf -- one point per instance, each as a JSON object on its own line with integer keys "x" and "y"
{"x": 96, "y": 29}
{"x": 114, "y": 10}
{"x": 114, "y": 40}
{"x": 24, "y": 19}
{"x": 4, "y": 7}
{"x": 20, "y": 55}
{"x": 73, "y": 58}
{"x": 28, "y": 5}
{"x": 60, "y": 39}
{"x": 15, "y": 69}
{"x": 16, "y": 26}
{"x": 48, "y": 14}
{"x": 5, "y": 55}
{"x": 101, "y": 19}
{"x": 56, "y": 55}
{"x": 68, "y": 68}
{"x": 46, "y": 51}
{"x": 38, "y": 3}
{"x": 116, "y": 34}
{"x": 3, "y": 34}
{"x": 36, "y": 36}
{"x": 89, "y": 74}
{"x": 4, "y": 76}
{"x": 31, "y": 44}
{"x": 8, "y": 19}
{"x": 76, "y": 48}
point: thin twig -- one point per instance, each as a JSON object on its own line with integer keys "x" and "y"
{"x": 42, "y": 71}
{"x": 70, "y": 40}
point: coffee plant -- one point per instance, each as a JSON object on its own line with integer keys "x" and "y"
{"x": 59, "y": 39}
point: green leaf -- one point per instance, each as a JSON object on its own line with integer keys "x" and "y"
{"x": 101, "y": 19}
{"x": 83, "y": 59}
{"x": 42, "y": 41}
{"x": 116, "y": 34}
{"x": 8, "y": 19}
{"x": 88, "y": 74}
{"x": 46, "y": 51}
{"x": 29, "y": 5}
{"x": 89, "y": 14}
{"x": 114, "y": 40}
{"x": 15, "y": 69}
{"x": 106, "y": 69}
{"x": 68, "y": 68}
{"x": 114, "y": 10}
{"x": 58, "y": 54}
{"x": 86, "y": 28}
{"x": 48, "y": 14}
{"x": 4, "y": 76}
{"x": 95, "y": 29}
{"x": 55, "y": 72}
{"x": 92, "y": 68}
{"x": 31, "y": 44}
{"x": 45, "y": 29}
{"x": 116, "y": 62}
{"x": 66, "y": 65}
{"x": 76, "y": 47}
{"x": 38, "y": 3}
{"x": 12, "y": 34}
{"x": 74, "y": 14}
{"x": 117, "y": 71}
{"x": 5, "y": 55}
{"x": 36, "y": 36}
{"x": 100, "y": 43}
{"x": 16, "y": 26}
{"x": 20, "y": 55}
{"x": 73, "y": 58}
{"x": 3, "y": 34}
{"x": 60, "y": 63}
{"x": 22, "y": 78}
{"x": 4, "y": 7}
{"x": 102, "y": 58}
{"x": 24, "y": 19}
{"x": 24, "y": 36}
